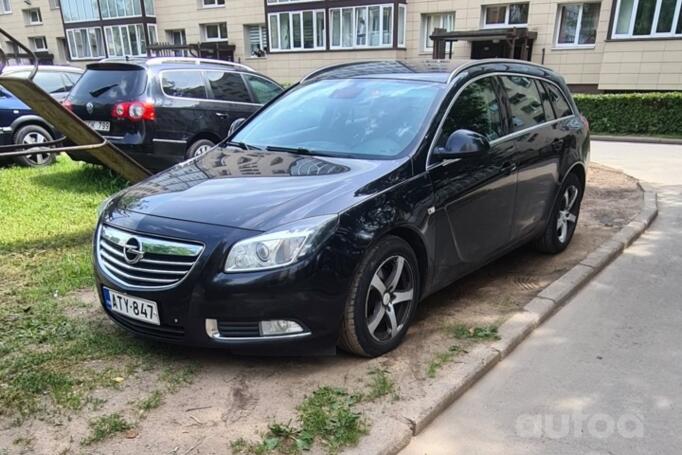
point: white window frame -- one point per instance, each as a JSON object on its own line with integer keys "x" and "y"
{"x": 263, "y": 40}
{"x": 30, "y": 20}
{"x": 382, "y": 7}
{"x": 139, "y": 30}
{"x": 104, "y": 5}
{"x": 33, "y": 40}
{"x": 316, "y": 46}
{"x": 214, "y": 4}
{"x": 652, "y": 33}
{"x": 426, "y": 43}
{"x": 54, "y": 4}
{"x": 70, "y": 38}
{"x": 402, "y": 9}
{"x": 155, "y": 29}
{"x": 575, "y": 43}
{"x": 5, "y": 7}
{"x": 204, "y": 34}
{"x": 506, "y": 23}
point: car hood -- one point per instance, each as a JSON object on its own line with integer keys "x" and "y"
{"x": 258, "y": 190}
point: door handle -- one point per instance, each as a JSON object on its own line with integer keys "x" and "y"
{"x": 222, "y": 115}
{"x": 508, "y": 167}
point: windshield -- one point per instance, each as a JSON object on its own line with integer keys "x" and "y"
{"x": 109, "y": 85}
{"x": 362, "y": 118}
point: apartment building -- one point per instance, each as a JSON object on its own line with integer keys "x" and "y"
{"x": 597, "y": 45}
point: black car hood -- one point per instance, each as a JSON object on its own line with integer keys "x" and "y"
{"x": 259, "y": 190}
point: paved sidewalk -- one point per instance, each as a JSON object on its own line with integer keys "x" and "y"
{"x": 604, "y": 375}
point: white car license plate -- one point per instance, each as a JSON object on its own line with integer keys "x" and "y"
{"x": 99, "y": 125}
{"x": 133, "y": 307}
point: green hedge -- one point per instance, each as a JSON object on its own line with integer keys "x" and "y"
{"x": 650, "y": 114}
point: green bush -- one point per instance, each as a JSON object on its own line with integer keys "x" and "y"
{"x": 646, "y": 114}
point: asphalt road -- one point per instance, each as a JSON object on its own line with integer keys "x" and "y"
{"x": 604, "y": 375}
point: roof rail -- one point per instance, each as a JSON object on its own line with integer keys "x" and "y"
{"x": 196, "y": 61}
{"x": 461, "y": 68}
{"x": 329, "y": 68}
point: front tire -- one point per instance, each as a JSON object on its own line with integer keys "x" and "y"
{"x": 383, "y": 299}
{"x": 564, "y": 217}
{"x": 34, "y": 134}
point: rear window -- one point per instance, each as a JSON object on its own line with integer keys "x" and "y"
{"x": 110, "y": 84}
{"x": 524, "y": 99}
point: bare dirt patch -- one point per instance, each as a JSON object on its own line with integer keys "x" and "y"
{"x": 232, "y": 397}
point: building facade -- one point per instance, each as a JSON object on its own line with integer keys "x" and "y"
{"x": 597, "y": 45}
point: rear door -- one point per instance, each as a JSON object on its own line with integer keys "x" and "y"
{"x": 536, "y": 155}
{"x": 181, "y": 110}
{"x": 101, "y": 87}
{"x": 230, "y": 100}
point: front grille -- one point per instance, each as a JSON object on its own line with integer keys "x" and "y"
{"x": 162, "y": 331}
{"x": 238, "y": 329}
{"x": 139, "y": 261}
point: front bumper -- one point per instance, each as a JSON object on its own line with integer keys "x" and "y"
{"x": 311, "y": 293}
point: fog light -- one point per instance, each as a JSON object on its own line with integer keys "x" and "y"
{"x": 279, "y": 327}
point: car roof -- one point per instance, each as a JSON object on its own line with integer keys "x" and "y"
{"x": 440, "y": 71}
{"x": 174, "y": 62}
{"x": 16, "y": 68}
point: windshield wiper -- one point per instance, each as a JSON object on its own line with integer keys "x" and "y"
{"x": 99, "y": 91}
{"x": 241, "y": 145}
{"x": 296, "y": 150}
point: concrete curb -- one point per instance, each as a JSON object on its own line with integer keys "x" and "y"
{"x": 393, "y": 434}
{"x": 638, "y": 139}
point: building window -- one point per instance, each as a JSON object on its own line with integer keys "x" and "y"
{"x": 149, "y": 8}
{"x": 54, "y": 4}
{"x": 179, "y": 38}
{"x": 297, "y": 30}
{"x": 38, "y": 43}
{"x": 214, "y": 32}
{"x": 80, "y": 10}
{"x": 112, "y": 9}
{"x": 33, "y": 16}
{"x": 5, "y": 7}
{"x": 647, "y": 18}
{"x": 362, "y": 26}
{"x": 151, "y": 31}
{"x": 85, "y": 43}
{"x": 577, "y": 24}
{"x": 432, "y": 21}
{"x": 126, "y": 40}
{"x": 513, "y": 14}
{"x": 256, "y": 40}
{"x": 402, "y": 18}
{"x": 212, "y": 3}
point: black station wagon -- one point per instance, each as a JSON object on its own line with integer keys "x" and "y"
{"x": 164, "y": 110}
{"x": 334, "y": 211}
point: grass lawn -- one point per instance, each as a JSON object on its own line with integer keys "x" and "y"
{"x": 49, "y": 358}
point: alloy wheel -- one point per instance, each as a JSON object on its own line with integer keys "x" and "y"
{"x": 203, "y": 149}
{"x": 389, "y": 298}
{"x": 567, "y": 217}
{"x": 35, "y": 137}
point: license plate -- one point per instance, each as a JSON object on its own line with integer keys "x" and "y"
{"x": 133, "y": 307}
{"x": 98, "y": 125}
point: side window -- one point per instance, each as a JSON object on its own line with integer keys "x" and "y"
{"x": 70, "y": 80}
{"x": 228, "y": 86}
{"x": 50, "y": 82}
{"x": 524, "y": 100}
{"x": 477, "y": 109}
{"x": 185, "y": 84}
{"x": 263, "y": 90}
{"x": 546, "y": 103}
{"x": 561, "y": 106}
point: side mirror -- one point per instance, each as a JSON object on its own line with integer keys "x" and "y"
{"x": 462, "y": 144}
{"x": 235, "y": 126}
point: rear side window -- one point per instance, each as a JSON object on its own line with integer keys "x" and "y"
{"x": 228, "y": 86}
{"x": 546, "y": 103}
{"x": 70, "y": 79}
{"x": 50, "y": 82}
{"x": 183, "y": 84}
{"x": 561, "y": 106}
{"x": 476, "y": 109}
{"x": 110, "y": 85}
{"x": 524, "y": 100}
{"x": 263, "y": 90}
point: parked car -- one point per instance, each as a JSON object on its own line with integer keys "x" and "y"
{"x": 19, "y": 124}
{"x": 164, "y": 110}
{"x": 332, "y": 212}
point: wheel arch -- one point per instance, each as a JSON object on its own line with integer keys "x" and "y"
{"x": 203, "y": 135}
{"x": 577, "y": 168}
{"x": 27, "y": 120}
{"x": 418, "y": 245}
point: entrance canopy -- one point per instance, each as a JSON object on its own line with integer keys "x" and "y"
{"x": 513, "y": 37}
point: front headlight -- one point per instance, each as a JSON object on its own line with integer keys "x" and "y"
{"x": 282, "y": 247}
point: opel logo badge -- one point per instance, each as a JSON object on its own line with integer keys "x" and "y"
{"x": 90, "y": 107}
{"x": 132, "y": 251}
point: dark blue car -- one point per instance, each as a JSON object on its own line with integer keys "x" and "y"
{"x": 19, "y": 124}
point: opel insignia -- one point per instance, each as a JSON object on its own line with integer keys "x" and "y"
{"x": 327, "y": 217}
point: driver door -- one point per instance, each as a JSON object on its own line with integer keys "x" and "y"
{"x": 477, "y": 193}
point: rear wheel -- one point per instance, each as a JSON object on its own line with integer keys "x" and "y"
{"x": 564, "y": 218}
{"x": 383, "y": 299}
{"x": 199, "y": 147}
{"x": 34, "y": 134}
